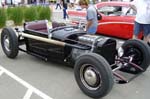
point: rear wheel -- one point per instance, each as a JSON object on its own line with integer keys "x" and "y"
{"x": 93, "y": 75}
{"x": 140, "y": 54}
{"x": 9, "y": 42}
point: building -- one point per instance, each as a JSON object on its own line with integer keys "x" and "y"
{"x": 16, "y": 2}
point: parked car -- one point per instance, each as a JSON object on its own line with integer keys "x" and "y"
{"x": 117, "y": 19}
{"x": 97, "y": 61}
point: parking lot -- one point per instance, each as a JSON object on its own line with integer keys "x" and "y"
{"x": 28, "y": 77}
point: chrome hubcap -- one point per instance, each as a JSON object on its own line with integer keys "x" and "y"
{"x": 6, "y": 43}
{"x": 90, "y": 77}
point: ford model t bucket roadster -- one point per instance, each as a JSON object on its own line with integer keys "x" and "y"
{"x": 97, "y": 62}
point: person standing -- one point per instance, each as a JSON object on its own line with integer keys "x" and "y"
{"x": 72, "y": 3}
{"x": 65, "y": 6}
{"x": 0, "y": 4}
{"x": 142, "y": 20}
{"x": 58, "y": 4}
{"x": 3, "y": 3}
{"x": 91, "y": 17}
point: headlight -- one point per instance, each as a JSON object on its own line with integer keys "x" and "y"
{"x": 120, "y": 52}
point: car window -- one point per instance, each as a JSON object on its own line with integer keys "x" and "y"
{"x": 116, "y": 10}
{"x": 107, "y": 9}
{"x": 129, "y": 11}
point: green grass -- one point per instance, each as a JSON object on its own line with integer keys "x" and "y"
{"x": 44, "y": 13}
{"x": 21, "y": 14}
{"x": 2, "y": 17}
{"x": 9, "y": 13}
{"x": 30, "y": 14}
{"x": 17, "y": 15}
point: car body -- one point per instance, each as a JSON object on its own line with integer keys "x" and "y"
{"x": 96, "y": 59}
{"x": 117, "y": 19}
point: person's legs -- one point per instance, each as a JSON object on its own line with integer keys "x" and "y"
{"x": 67, "y": 14}
{"x": 64, "y": 13}
{"x": 148, "y": 38}
{"x": 137, "y": 30}
{"x": 56, "y": 5}
{"x": 59, "y": 5}
{"x": 146, "y": 28}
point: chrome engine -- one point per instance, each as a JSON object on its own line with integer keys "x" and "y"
{"x": 100, "y": 45}
{"x": 88, "y": 40}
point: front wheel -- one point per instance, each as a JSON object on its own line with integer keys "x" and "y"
{"x": 93, "y": 75}
{"x": 139, "y": 52}
{"x": 9, "y": 42}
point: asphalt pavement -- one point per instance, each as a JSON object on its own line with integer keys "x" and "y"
{"x": 57, "y": 81}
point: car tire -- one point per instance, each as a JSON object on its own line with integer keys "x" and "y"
{"x": 141, "y": 52}
{"x": 101, "y": 81}
{"x": 9, "y": 42}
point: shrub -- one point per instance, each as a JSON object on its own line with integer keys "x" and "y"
{"x": 9, "y": 13}
{"x": 30, "y": 14}
{"x": 2, "y": 17}
{"x": 44, "y": 13}
{"x": 38, "y": 8}
{"x": 17, "y": 15}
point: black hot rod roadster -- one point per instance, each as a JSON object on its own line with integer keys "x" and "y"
{"x": 97, "y": 61}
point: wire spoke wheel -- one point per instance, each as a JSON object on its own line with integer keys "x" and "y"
{"x": 138, "y": 53}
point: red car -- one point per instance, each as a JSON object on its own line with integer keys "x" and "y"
{"x": 117, "y": 19}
